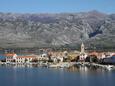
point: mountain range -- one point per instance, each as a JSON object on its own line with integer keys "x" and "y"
{"x": 57, "y": 29}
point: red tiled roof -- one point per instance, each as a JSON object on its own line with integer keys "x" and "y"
{"x": 93, "y": 53}
{"x": 25, "y": 56}
{"x": 9, "y": 54}
{"x": 113, "y": 55}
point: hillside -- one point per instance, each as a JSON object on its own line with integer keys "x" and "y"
{"x": 39, "y": 30}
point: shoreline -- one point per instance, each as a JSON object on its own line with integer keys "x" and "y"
{"x": 60, "y": 65}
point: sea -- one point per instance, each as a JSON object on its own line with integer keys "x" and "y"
{"x": 42, "y": 76}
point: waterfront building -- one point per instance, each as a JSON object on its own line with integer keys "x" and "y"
{"x": 65, "y": 55}
{"x": 73, "y": 55}
{"x": 10, "y": 57}
{"x": 55, "y": 60}
{"x": 56, "y": 56}
{"x": 93, "y": 53}
{"x": 105, "y": 55}
{"x": 110, "y": 60}
{"x": 44, "y": 55}
{"x": 25, "y": 59}
{"x": 41, "y": 58}
{"x": 60, "y": 58}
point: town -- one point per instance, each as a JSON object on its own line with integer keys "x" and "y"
{"x": 57, "y": 59}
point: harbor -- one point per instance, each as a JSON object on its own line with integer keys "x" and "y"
{"x": 60, "y": 59}
{"x": 64, "y": 65}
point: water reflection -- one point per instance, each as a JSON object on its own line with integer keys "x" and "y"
{"x": 33, "y": 75}
{"x": 85, "y": 69}
{"x": 92, "y": 76}
{"x": 76, "y": 68}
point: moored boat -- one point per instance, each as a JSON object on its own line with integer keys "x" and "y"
{"x": 109, "y": 67}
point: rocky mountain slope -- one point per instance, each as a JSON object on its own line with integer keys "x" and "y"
{"x": 37, "y": 30}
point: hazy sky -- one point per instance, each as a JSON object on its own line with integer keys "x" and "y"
{"x": 52, "y": 6}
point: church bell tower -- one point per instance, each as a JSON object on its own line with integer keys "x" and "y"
{"x": 82, "y": 48}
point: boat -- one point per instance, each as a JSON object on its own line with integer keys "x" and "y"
{"x": 65, "y": 65}
{"x": 61, "y": 65}
{"x": 109, "y": 67}
{"x": 54, "y": 66}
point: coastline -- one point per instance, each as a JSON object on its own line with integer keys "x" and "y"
{"x": 60, "y": 65}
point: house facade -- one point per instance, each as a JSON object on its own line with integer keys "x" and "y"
{"x": 25, "y": 59}
{"x": 10, "y": 57}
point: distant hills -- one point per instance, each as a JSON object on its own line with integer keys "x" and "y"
{"x": 46, "y": 30}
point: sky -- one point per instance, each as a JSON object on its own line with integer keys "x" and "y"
{"x": 56, "y": 6}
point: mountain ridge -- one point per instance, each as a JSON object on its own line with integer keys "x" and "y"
{"x": 39, "y": 30}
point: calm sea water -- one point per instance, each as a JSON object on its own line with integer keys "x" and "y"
{"x": 75, "y": 76}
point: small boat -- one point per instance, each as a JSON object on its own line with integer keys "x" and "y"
{"x": 61, "y": 65}
{"x": 54, "y": 66}
{"x": 109, "y": 67}
{"x": 65, "y": 65}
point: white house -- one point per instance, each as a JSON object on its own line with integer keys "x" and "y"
{"x": 25, "y": 59}
{"x": 10, "y": 57}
